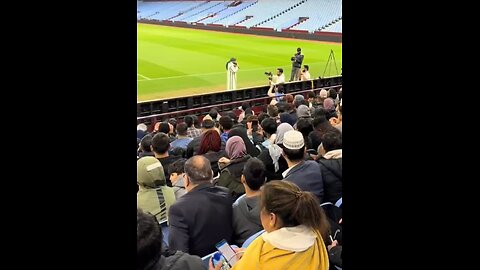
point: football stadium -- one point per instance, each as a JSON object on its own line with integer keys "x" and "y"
{"x": 239, "y": 134}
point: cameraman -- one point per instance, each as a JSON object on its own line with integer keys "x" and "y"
{"x": 275, "y": 82}
{"x": 297, "y": 60}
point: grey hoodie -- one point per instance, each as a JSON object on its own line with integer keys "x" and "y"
{"x": 246, "y": 218}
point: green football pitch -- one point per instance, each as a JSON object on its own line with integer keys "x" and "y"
{"x": 174, "y": 61}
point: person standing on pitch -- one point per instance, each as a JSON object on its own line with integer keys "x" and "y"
{"x": 297, "y": 60}
{"x": 232, "y": 68}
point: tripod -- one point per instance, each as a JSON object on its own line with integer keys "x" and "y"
{"x": 331, "y": 58}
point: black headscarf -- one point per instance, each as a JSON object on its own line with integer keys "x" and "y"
{"x": 242, "y": 132}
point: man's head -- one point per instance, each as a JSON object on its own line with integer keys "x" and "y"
{"x": 226, "y": 123}
{"x": 332, "y": 140}
{"x": 207, "y": 124}
{"x": 279, "y": 71}
{"x": 188, "y": 120}
{"x": 253, "y": 174}
{"x": 176, "y": 169}
{"x": 145, "y": 143}
{"x": 311, "y": 96}
{"x": 182, "y": 129}
{"x": 160, "y": 143}
{"x": 232, "y": 115}
{"x": 293, "y": 146}
{"x": 149, "y": 240}
{"x": 213, "y": 113}
{"x": 269, "y": 126}
{"x": 164, "y": 127}
{"x": 272, "y": 110}
{"x": 197, "y": 171}
{"x": 305, "y": 67}
{"x": 299, "y": 50}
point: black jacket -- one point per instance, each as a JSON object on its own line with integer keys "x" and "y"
{"x": 308, "y": 177}
{"x": 332, "y": 179}
{"x": 213, "y": 157}
{"x": 200, "y": 219}
{"x": 179, "y": 261}
{"x": 230, "y": 176}
{"x": 270, "y": 168}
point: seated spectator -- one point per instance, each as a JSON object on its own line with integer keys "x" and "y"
{"x": 246, "y": 210}
{"x": 331, "y": 165}
{"x": 305, "y": 174}
{"x": 269, "y": 128}
{"x": 177, "y": 173}
{"x": 153, "y": 195}
{"x": 305, "y": 75}
{"x": 210, "y": 148}
{"x": 167, "y": 128}
{"x": 332, "y": 93}
{"x": 245, "y": 110}
{"x": 226, "y": 124}
{"x": 322, "y": 96}
{"x": 231, "y": 168}
{"x": 192, "y": 131}
{"x": 312, "y": 103}
{"x": 149, "y": 248}
{"x": 182, "y": 139}
{"x": 295, "y": 226}
{"x": 272, "y": 111}
{"x": 242, "y": 133}
{"x": 203, "y": 216}
{"x": 320, "y": 126}
{"x": 329, "y": 106}
{"x": 160, "y": 147}
{"x": 145, "y": 149}
{"x": 272, "y": 157}
{"x": 194, "y": 145}
{"x": 214, "y": 115}
{"x": 304, "y": 125}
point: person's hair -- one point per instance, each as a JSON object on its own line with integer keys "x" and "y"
{"x": 319, "y": 112}
{"x": 254, "y": 172}
{"x": 332, "y": 93}
{"x": 207, "y": 124}
{"x": 226, "y": 122}
{"x": 252, "y": 118}
{"x": 164, "y": 127}
{"x": 209, "y": 141}
{"x": 304, "y": 125}
{"x": 213, "y": 113}
{"x": 332, "y": 140}
{"x": 173, "y": 122}
{"x": 248, "y": 111}
{"x": 262, "y": 116}
{"x": 232, "y": 115}
{"x": 177, "y": 166}
{"x": 306, "y": 67}
{"x": 299, "y": 49}
{"x": 318, "y": 121}
{"x": 179, "y": 151}
{"x": 146, "y": 142}
{"x": 311, "y": 94}
{"x": 196, "y": 122}
{"x": 188, "y": 120}
{"x": 160, "y": 143}
{"x": 149, "y": 240}
{"x": 198, "y": 169}
{"x": 294, "y": 154}
{"x": 272, "y": 110}
{"x": 269, "y": 126}
{"x": 293, "y": 206}
{"x": 280, "y": 69}
{"x": 182, "y": 129}
{"x": 282, "y": 107}
{"x": 245, "y": 105}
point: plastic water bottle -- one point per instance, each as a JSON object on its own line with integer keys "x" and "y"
{"x": 218, "y": 258}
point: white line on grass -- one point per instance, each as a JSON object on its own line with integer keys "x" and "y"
{"x": 213, "y": 73}
{"x": 147, "y": 79}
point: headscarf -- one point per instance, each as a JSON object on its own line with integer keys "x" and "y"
{"x": 242, "y": 133}
{"x": 235, "y": 147}
{"x": 274, "y": 150}
{"x": 329, "y": 104}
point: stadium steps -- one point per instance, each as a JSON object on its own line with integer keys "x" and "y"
{"x": 329, "y": 24}
{"x": 236, "y": 12}
{"x": 243, "y": 20}
{"x": 220, "y": 3}
{"x": 280, "y": 13}
{"x": 301, "y": 20}
{"x": 206, "y": 17}
{"x": 188, "y": 10}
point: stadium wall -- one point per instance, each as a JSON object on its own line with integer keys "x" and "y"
{"x": 298, "y": 34}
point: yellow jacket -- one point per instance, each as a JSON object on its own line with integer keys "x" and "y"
{"x": 287, "y": 248}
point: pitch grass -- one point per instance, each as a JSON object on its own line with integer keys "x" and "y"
{"x": 174, "y": 61}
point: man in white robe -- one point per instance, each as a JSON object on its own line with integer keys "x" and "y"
{"x": 232, "y": 69}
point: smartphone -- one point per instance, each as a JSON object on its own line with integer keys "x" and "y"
{"x": 227, "y": 252}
